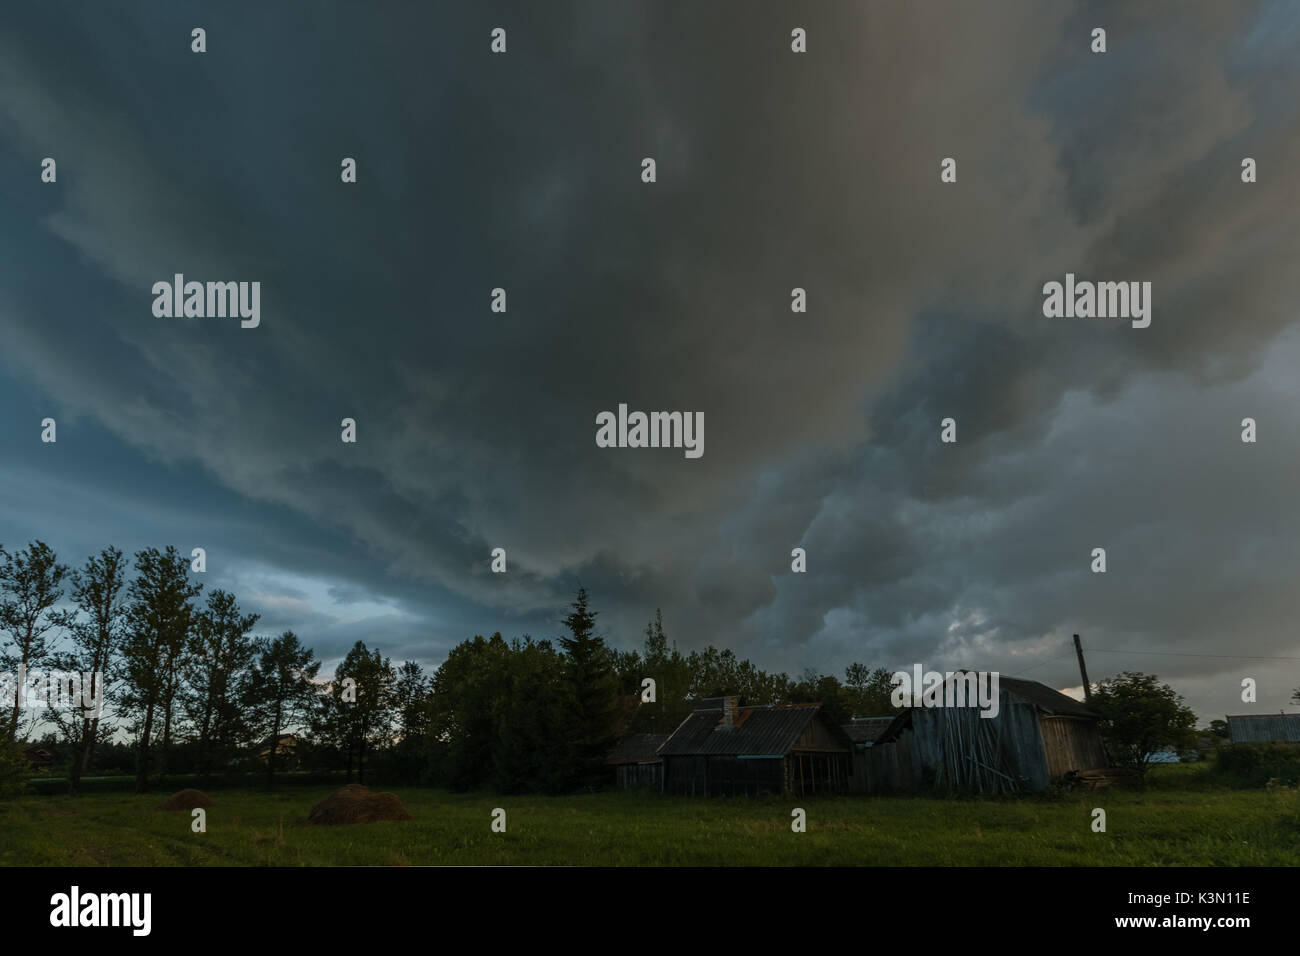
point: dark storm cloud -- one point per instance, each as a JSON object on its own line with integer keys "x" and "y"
{"x": 819, "y": 171}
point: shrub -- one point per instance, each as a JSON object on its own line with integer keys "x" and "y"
{"x": 1254, "y": 765}
{"x": 13, "y": 767}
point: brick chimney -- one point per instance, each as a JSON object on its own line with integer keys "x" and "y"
{"x": 729, "y": 707}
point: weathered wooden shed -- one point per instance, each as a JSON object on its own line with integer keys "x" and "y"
{"x": 864, "y": 732}
{"x": 637, "y": 763}
{"x": 1264, "y": 728}
{"x": 1038, "y": 736}
{"x": 725, "y": 749}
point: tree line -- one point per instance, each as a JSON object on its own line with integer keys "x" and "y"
{"x": 170, "y": 670}
{"x": 192, "y": 689}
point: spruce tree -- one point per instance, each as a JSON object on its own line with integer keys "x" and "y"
{"x": 593, "y": 697}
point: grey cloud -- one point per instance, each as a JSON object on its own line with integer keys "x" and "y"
{"x": 476, "y": 429}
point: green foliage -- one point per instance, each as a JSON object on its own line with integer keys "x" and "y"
{"x": 13, "y": 766}
{"x": 411, "y": 711}
{"x": 716, "y": 673}
{"x": 366, "y": 722}
{"x": 30, "y": 586}
{"x": 159, "y": 616}
{"x": 826, "y": 690}
{"x": 1180, "y": 828}
{"x": 532, "y": 753}
{"x": 230, "y": 780}
{"x": 94, "y": 625}
{"x": 500, "y": 717}
{"x": 522, "y": 716}
{"x": 525, "y": 716}
{"x": 1141, "y": 716}
{"x": 218, "y": 694}
{"x": 672, "y": 673}
{"x": 1255, "y": 764}
{"x": 281, "y": 689}
{"x": 593, "y": 706}
{"x": 869, "y": 693}
{"x": 463, "y": 722}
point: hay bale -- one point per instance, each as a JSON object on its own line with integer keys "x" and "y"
{"x": 187, "y": 800}
{"x": 357, "y": 804}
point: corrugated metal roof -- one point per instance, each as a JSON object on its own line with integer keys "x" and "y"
{"x": 636, "y": 748}
{"x": 759, "y": 731}
{"x": 1264, "y": 728}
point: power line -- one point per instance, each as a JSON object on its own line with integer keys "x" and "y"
{"x": 1069, "y": 653}
{"x": 1101, "y": 650}
{"x": 1233, "y": 657}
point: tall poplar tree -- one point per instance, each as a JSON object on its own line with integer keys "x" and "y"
{"x": 283, "y": 690}
{"x": 221, "y": 653}
{"x": 95, "y": 627}
{"x": 30, "y": 586}
{"x": 159, "y": 616}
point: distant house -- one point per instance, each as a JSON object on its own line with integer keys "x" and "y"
{"x": 1167, "y": 755}
{"x": 285, "y": 747}
{"x": 636, "y": 761}
{"x": 1264, "y": 728}
{"x": 724, "y": 748}
{"x": 1039, "y": 735}
{"x": 38, "y": 758}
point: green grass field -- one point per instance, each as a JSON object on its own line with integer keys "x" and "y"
{"x": 1176, "y": 821}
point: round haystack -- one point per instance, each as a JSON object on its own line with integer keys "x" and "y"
{"x": 187, "y": 800}
{"x": 357, "y": 804}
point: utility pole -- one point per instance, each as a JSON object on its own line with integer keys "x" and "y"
{"x": 1083, "y": 671}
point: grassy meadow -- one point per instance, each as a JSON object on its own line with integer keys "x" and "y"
{"x": 1175, "y": 820}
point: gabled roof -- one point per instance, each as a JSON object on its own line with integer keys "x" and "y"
{"x": 865, "y": 730}
{"x": 760, "y": 731}
{"x": 636, "y": 748}
{"x": 1044, "y": 698}
{"x": 1047, "y": 700}
{"x": 1264, "y": 728}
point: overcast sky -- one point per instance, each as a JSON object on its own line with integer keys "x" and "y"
{"x": 776, "y": 170}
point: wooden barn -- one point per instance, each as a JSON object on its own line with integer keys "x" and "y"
{"x": 1264, "y": 728}
{"x": 637, "y": 763}
{"x": 863, "y": 732}
{"x": 38, "y": 758}
{"x": 725, "y": 749}
{"x": 1038, "y": 736}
